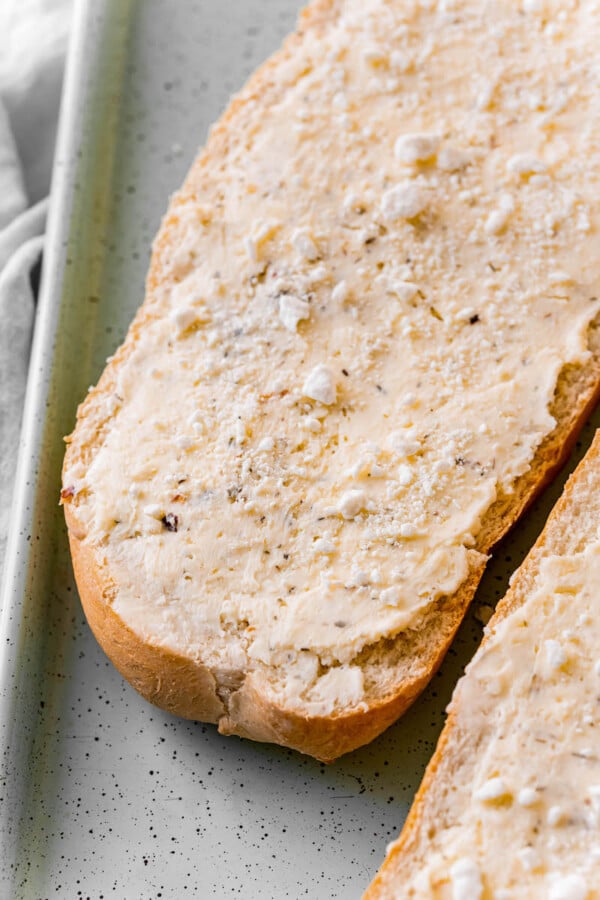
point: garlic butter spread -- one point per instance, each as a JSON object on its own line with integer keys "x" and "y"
{"x": 367, "y": 297}
{"x": 531, "y": 699}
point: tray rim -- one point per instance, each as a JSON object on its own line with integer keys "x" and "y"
{"x": 46, "y": 316}
{"x": 20, "y": 548}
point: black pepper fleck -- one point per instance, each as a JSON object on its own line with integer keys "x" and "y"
{"x": 170, "y": 521}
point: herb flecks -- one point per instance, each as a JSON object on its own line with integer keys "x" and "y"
{"x": 233, "y": 491}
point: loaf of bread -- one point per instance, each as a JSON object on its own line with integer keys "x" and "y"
{"x": 510, "y": 804}
{"x": 370, "y": 334}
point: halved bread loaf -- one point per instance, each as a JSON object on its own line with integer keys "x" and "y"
{"x": 510, "y": 804}
{"x": 369, "y": 336}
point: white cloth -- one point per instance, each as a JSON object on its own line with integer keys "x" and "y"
{"x": 33, "y": 39}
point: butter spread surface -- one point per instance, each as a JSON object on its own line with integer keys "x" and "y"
{"x": 531, "y": 700}
{"x": 366, "y": 303}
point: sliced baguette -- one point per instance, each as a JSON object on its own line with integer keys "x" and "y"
{"x": 299, "y": 239}
{"x": 510, "y": 802}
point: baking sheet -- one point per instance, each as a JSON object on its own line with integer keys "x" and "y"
{"x": 101, "y": 795}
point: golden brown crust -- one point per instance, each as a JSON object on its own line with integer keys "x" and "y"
{"x": 188, "y": 689}
{"x": 555, "y": 538}
{"x": 175, "y": 683}
{"x": 395, "y": 670}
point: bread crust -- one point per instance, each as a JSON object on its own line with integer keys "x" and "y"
{"x": 396, "y": 869}
{"x": 396, "y": 670}
{"x": 187, "y": 688}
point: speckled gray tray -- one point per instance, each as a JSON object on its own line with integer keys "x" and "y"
{"x": 102, "y": 795}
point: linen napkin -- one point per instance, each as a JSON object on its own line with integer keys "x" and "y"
{"x": 33, "y": 40}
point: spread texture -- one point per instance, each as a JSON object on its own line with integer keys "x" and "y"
{"x": 531, "y": 697}
{"x": 510, "y": 805}
{"x": 352, "y": 350}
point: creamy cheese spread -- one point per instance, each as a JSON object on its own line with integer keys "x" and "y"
{"x": 531, "y": 698}
{"x": 365, "y": 304}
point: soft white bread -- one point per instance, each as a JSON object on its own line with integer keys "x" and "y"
{"x": 510, "y": 804}
{"x": 370, "y": 334}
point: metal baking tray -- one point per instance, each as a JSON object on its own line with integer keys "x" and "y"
{"x": 101, "y": 794}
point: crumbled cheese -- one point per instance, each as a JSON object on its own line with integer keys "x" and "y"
{"x": 405, "y": 290}
{"x": 419, "y": 147}
{"x": 404, "y": 201}
{"x": 359, "y": 578}
{"x": 452, "y": 159}
{"x": 360, "y": 469}
{"x": 409, "y": 400}
{"x": 320, "y": 385}
{"x": 555, "y": 654}
{"x": 527, "y": 797}
{"x": 240, "y": 432}
{"x": 183, "y": 319}
{"x": 340, "y": 292}
{"x": 485, "y": 95}
{"x": 567, "y": 887}
{"x": 340, "y": 687}
{"x": 292, "y": 310}
{"x": 304, "y": 244}
{"x": 559, "y": 277}
{"x": 391, "y": 595}
{"x": 154, "y": 511}
{"x": 315, "y": 275}
{"x": 183, "y": 441}
{"x": 266, "y": 445}
{"x": 465, "y": 878}
{"x": 401, "y": 61}
{"x": 250, "y": 247}
{"x": 322, "y": 545}
{"x": 405, "y": 474}
{"x": 311, "y": 424}
{"x": 555, "y": 816}
{"x": 587, "y": 753}
{"x": 351, "y": 503}
{"x": 404, "y": 443}
{"x": 529, "y": 858}
{"x": 407, "y": 530}
{"x": 498, "y": 218}
{"x": 340, "y": 100}
{"x": 525, "y": 164}
{"x": 493, "y": 789}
